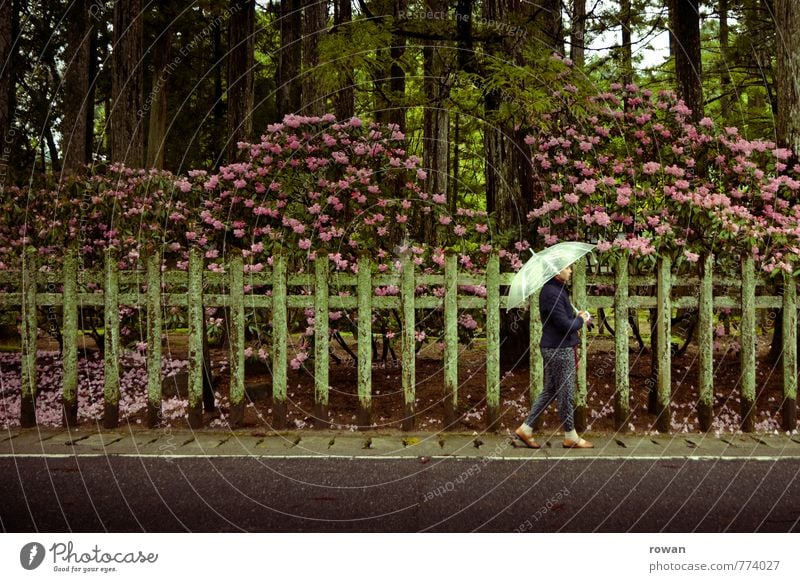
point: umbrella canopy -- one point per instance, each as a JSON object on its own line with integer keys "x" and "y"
{"x": 542, "y": 267}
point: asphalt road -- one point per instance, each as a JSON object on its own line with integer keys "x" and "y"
{"x": 208, "y": 494}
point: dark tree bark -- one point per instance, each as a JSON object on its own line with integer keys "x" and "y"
{"x": 685, "y": 19}
{"x": 93, "y": 74}
{"x": 397, "y": 74}
{"x": 288, "y": 94}
{"x": 218, "y": 110}
{"x": 548, "y": 23}
{"x": 787, "y": 19}
{"x": 627, "y": 48}
{"x": 240, "y": 75}
{"x": 315, "y": 17}
{"x": 6, "y": 84}
{"x": 507, "y": 156}
{"x": 76, "y": 86}
{"x": 344, "y": 99}
{"x": 577, "y": 49}
{"x": 436, "y": 120}
{"x": 157, "y": 100}
{"x": 724, "y": 42}
{"x": 127, "y": 133}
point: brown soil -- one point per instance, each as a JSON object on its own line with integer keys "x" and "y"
{"x": 514, "y": 399}
{"x": 388, "y": 399}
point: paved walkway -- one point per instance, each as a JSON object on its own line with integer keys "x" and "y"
{"x": 390, "y": 445}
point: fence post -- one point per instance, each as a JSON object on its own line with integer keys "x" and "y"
{"x": 664, "y": 355}
{"x": 408, "y": 342}
{"x": 365, "y": 341}
{"x": 536, "y": 380}
{"x": 29, "y": 333}
{"x": 154, "y": 330}
{"x": 622, "y": 395}
{"x": 111, "y": 341}
{"x": 196, "y": 314}
{"x": 69, "y": 416}
{"x": 705, "y": 340}
{"x": 579, "y": 297}
{"x": 279, "y": 333}
{"x": 748, "y": 340}
{"x": 321, "y": 339}
{"x": 450, "y": 339}
{"x": 789, "y": 410}
{"x": 492, "y": 341}
{"x": 236, "y": 337}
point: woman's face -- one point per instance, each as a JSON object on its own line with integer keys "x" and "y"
{"x": 565, "y": 275}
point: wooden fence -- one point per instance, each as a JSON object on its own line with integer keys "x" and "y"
{"x": 700, "y": 298}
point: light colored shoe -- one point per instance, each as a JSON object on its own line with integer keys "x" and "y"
{"x": 579, "y": 444}
{"x": 527, "y": 439}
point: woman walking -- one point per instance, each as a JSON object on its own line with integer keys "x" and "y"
{"x": 560, "y": 326}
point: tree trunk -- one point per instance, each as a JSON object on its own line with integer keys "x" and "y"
{"x": 344, "y": 100}
{"x": 7, "y": 85}
{"x": 685, "y": 18}
{"x": 92, "y": 74}
{"x": 315, "y": 17}
{"x": 76, "y": 86}
{"x": 548, "y": 26}
{"x": 787, "y": 19}
{"x": 240, "y": 75}
{"x": 436, "y": 122}
{"x": 157, "y": 100}
{"x": 397, "y": 74}
{"x": 218, "y": 111}
{"x": 577, "y": 49}
{"x": 724, "y": 42}
{"x": 127, "y": 134}
{"x": 288, "y": 92}
{"x": 52, "y": 149}
{"x": 626, "y": 66}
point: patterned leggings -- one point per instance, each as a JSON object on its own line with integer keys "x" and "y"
{"x": 559, "y": 382}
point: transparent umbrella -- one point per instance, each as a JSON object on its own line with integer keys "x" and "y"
{"x": 542, "y": 267}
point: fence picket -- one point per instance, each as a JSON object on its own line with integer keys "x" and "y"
{"x": 622, "y": 395}
{"x": 29, "y": 334}
{"x": 789, "y": 410}
{"x": 321, "y": 339}
{"x": 196, "y": 315}
{"x": 408, "y": 342}
{"x": 236, "y": 338}
{"x": 492, "y": 341}
{"x": 450, "y": 338}
{"x": 536, "y": 380}
{"x": 365, "y": 341}
{"x": 154, "y": 329}
{"x": 279, "y": 340}
{"x": 705, "y": 340}
{"x": 69, "y": 337}
{"x": 664, "y": 354}
{"x": 579, "y": 298}
{"x": 111, "y": 341}
{"x": 748, "y": 347}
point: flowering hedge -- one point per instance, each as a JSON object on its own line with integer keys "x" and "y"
{"x": 627, "y": 169}
{"x": 631, "y": 171}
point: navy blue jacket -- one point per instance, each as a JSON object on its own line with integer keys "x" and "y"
{"x": 560, "y": 324}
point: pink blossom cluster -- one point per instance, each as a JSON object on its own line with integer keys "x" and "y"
{"x": 630, "y": 170}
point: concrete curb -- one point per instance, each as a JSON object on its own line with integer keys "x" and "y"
{"x": 175, "y": 443}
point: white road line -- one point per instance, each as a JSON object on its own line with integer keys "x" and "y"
{"x": 759, "y": 458}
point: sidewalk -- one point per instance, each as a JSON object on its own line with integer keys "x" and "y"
{"x": 389, "y": 445}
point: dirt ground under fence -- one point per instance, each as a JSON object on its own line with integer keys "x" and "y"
{"x": 387, "y": 391}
